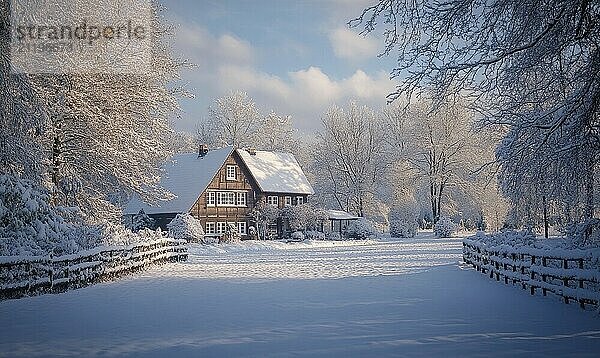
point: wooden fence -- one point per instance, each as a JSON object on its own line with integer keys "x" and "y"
{"x": 24, "y": 276}
{"x": 574, "y": 275}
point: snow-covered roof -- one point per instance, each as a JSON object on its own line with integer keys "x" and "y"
{"x": 340, "y": 215}
{"x": 186, "y": 176}
{"x": 276, "y": 172}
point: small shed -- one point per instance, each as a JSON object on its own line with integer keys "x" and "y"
{"x": 339, "y": 220}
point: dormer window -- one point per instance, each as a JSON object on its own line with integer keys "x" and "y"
{"x": 231, "y": 172}
{"x": 299, "y": 200}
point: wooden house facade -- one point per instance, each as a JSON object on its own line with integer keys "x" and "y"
{"x": 222, "y": 187}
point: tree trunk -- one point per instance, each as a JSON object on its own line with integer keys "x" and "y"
{"x": 439, "y": 200}
{"x": 545, "y": 216}
{"x": 589, "y": 197}
{"x": 434, "y": 206}
{"x": 589, "y": 190}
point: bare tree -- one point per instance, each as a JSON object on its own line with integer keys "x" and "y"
{"x": 233, "y": 120}
{"x": 436, "y": 149}
{"x": 277, "y": 134}
{"x": 351, "y": 155}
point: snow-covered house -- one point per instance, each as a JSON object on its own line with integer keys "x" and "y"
{"x": 222, "y": 186}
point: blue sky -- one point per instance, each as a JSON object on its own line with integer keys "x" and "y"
{"x": 293, "y": 57}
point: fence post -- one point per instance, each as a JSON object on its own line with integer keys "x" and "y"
{"x": 544, "y": 288}
{"x": 68, "y": 265}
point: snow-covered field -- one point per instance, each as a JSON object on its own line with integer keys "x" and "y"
{"x": 408, "y": 297}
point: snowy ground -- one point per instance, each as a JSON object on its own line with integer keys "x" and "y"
{"x": 388, "y": 298}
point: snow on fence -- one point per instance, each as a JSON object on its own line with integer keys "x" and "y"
{"x": 570, "y": 274}
{"x": 21, "y": 276}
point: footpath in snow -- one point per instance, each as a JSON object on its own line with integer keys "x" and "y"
{"x": 407, "y": 297}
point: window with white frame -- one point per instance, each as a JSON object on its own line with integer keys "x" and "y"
{"x": 221, "y": 227}
{"x": 241, "y": 198}
{"x": 210, "y": 228}
{"x": 210, "y": 198}
{"x": 241, "y": 227}
{"x": 299, "y": 200}
{"x": 273, "y": 200}
{"x": 231, "y": 172}
{"x": 288, "y": 201}
{"x": 226, "y": 198}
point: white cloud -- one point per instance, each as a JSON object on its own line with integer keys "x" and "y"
{"x": 232, "y": 77}
{"x": 234, "y": 48}
{"x": 350, "y": 45}
{"x": 205, "y": 49}
{"x": 314, "y": 85}
{"x": 226, "y": 62}
{"x": 362, "y": 86}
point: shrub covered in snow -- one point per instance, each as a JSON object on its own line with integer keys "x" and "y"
{"x": 303, "y": 217}
{"x": 231, "y": 234}
{"x": 402, "y": 228}
{"x": 360, "y": 229}
{"x": 141, "y": 221}
{"x": 295, "y": 216}
{"x": 119, "y": 235}
{"x": 509, "y": 237}
{"x": 527, "y": 239}
{"x": 584, "y": 234}
{"x": 334, "y": 235}
{"x": 314, "y": 235}
{"x": 403, "y": 219}
{"x": 252, "y": 233}
{"x": 297, "y": 236}
{"x": 445, "y": 227}
{"x": 185, "y": 226}
{"x": 29, "y": 225}
{"x": 263, "y": 214}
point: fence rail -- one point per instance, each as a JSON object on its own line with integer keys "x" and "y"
{"x": 24, "y": 276}
{"x": 575, "y": 278}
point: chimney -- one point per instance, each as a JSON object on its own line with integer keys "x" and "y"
{"x": 202, "y": 150}
{"x": 251, "y": 150}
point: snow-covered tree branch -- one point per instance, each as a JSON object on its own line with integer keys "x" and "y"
{"x": 530, "y": 71}
{"x": 99, "y": 137}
